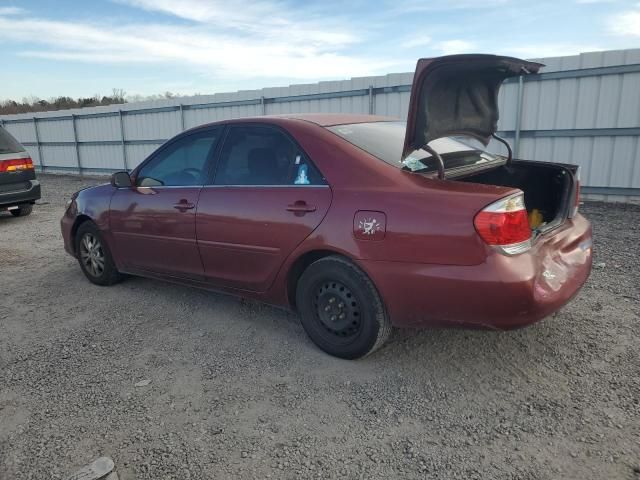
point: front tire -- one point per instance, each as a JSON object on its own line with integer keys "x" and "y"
{"x": 22, "y": 211}
{"x": 341, "y": 309}
{"x": 95, "y": 257}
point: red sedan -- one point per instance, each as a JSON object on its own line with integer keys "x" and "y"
{"x": 359, "y": 223}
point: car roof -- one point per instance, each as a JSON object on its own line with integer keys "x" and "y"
{"x": 321, "y": 119}
{"x": 331, "y": 119}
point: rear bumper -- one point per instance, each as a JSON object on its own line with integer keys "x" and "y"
{"x": 502, "y": 293}
{"x": 20, "y": 196}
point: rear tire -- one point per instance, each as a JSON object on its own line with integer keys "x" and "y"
{"x": 22, "y": 211}
{"x": 95, "y": 257}
{"x": 341, "y": 309}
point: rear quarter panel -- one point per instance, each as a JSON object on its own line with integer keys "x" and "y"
{"x": 428, "y": 221}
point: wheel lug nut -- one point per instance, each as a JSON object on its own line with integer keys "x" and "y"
{"x": 332, "y": 300}
{"x": 341, "y": 305}
{"x": 333, "y": 318}
{"x": 327, "y": 308}
{"x": 341, "y": 316}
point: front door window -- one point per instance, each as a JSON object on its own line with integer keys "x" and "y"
{"x": 181, "y": 164}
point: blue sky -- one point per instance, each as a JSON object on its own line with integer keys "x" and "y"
{"x": 80, "y": 48}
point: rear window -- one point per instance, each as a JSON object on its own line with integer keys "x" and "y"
{"x": 386, "y": 139}
{"x": 8, "y": 144}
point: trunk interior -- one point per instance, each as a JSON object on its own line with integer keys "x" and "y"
{"x": 547, "y": 188}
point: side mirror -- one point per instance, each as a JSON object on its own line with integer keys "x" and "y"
{"x": 121, "y": 180}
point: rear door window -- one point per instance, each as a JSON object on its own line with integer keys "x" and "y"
{"x": 8, "y": 144}
{"x": 258, "y": 155}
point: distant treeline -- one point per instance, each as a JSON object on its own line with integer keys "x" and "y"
{"x": 35, "y": 104}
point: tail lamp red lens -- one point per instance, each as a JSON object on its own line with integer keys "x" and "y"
{"x": 505, "y": 223}
{"x": 16, "y": 165}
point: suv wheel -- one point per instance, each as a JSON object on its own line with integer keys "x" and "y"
{"x": 341, "y": 309}
{"x": 22, "y": 210}
{"x": 94, "y": 256}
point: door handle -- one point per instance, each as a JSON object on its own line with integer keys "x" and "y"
{"x": 301, "y": 208}
{"x": 184, "y": 206}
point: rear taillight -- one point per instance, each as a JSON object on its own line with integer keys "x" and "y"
{"x": 576, "y": 199}
{"x": 16, "y": 165}
{"x": 505, "y": 224}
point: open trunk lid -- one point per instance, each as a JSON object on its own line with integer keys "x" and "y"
{"x": 458, "y": 95}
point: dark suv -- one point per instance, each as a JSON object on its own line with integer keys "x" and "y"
{"x": 19, "y": 188}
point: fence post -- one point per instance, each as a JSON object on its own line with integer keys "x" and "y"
{"x": 75, "y": 143}
{"x": 124, "y": 146}
{"x": 372, "y": 106}
{"x": 516, "y": 138}
{"x": 181, "y": 117}
{"x": 263, "y": 108}
{"x": 35, "y": 128}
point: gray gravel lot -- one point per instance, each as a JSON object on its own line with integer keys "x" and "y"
{"x": 238, "y": 391}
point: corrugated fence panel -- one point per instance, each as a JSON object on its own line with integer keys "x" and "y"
{"x": 629, "y": 115}
{"x": 22, "y": 131}
{"x": 507, "y": 102}
{"x": 582, "y": 154}
{"x": 59, "y": 155}
{"x": 60, "y": 131}
{"x": 98, "y": 129}
{"x": 151, "y": 126}
{"x": 568, "y": 115}
{"x": 102, "y": 157}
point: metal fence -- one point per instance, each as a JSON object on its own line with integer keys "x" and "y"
{"x": 582, "y": 109}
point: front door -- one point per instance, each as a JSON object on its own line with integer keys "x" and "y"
{"x": 153, "y": 223}
{"x": 267, "y": 197}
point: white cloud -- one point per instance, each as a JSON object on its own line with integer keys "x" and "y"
{"x": 625, "y": 23}
{"x": 451, "y": 47}
{"x": 416, "y": 41}
{"x": 217, "y": 55}
{"x": 414, "y": 6}
{"x": 11, "y": 11}
{"x": 264, "y": 19}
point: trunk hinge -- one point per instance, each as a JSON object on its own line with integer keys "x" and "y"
{"x": 437, "y": 156}
{"x": 506, "y": 144}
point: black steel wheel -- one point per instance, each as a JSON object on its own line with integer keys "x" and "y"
{"x": 341, "y": 309}
{"x": 337, "y": 310}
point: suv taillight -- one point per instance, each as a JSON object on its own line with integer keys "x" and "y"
{"x": 505, "y": 224}
{"x": 16, "y": 165}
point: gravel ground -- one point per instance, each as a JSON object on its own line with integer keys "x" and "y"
{"x": 233, "y": 389}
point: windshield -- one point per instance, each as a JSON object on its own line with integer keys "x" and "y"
{"x": 8, "y": 144}
{"x": 385, "y": 141}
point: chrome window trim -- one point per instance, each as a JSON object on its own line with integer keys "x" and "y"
{"x": 135, "y": 187}
{"x": 162, "y": 187}
{"x": 267, "y": 186}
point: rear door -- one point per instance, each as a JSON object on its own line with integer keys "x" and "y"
{"x": 153, "y": 223}
{"x": 267, "y": 197}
